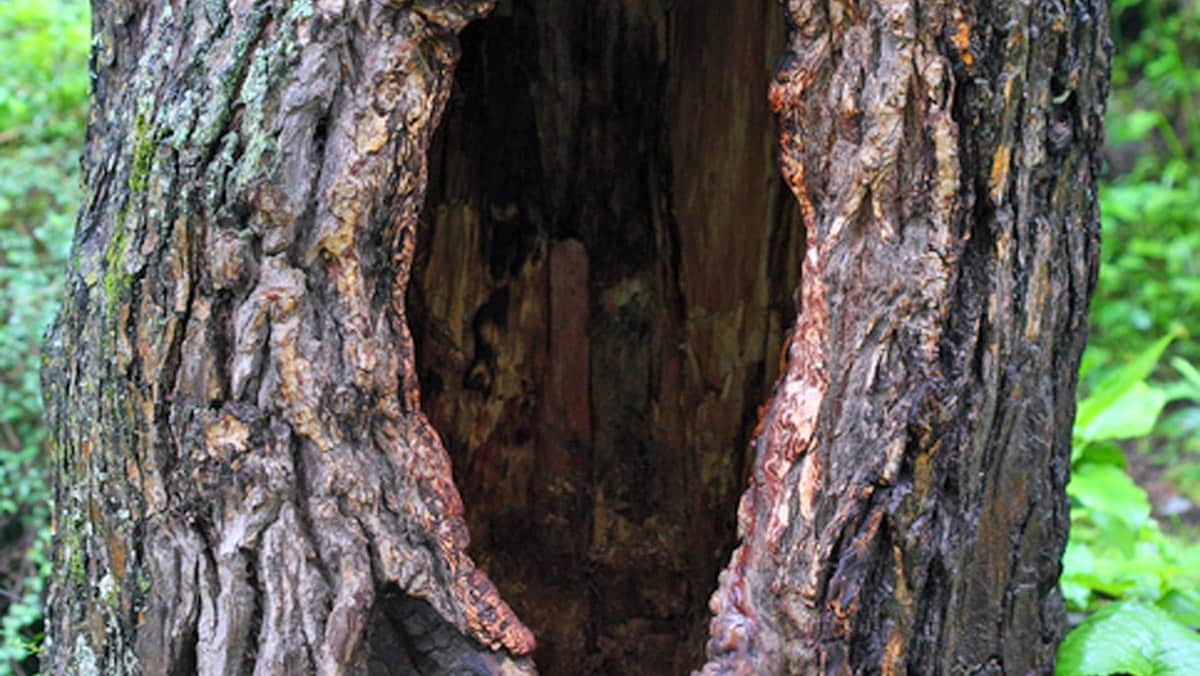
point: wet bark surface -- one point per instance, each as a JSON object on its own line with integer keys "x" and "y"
{"x": 249, "y": 398}
{"x": 906, "y": 512}
{"x": 244, "y": 476}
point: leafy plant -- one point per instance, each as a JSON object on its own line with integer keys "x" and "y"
{"x": 43, "y": 97}
{"x": 1150, "y": 275}
{"x": 1116, "y": 550}
{"x": 1131, "y": 638}
{"x": 1138, "y": 576}
{"x": 1122, "y": 405}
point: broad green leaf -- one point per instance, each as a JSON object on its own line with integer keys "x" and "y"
{"x": 1130, "y": 638}
{"x": 1130, "y": 416}
{"x": 1103, "y": 453}
{"x": 1108, "y": 490}
{"x": 1119, "y": 382}
{"x": 1184, "y": 605}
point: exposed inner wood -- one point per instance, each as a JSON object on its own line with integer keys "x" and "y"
{"x": 604, "y": 276}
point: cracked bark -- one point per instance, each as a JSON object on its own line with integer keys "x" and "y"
{"x": 601, "y": 274}
{"x": 906, "y": 511}
{"x": 245, "y": 481}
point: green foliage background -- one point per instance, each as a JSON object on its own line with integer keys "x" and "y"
{"x": 1135, "y": 577}
{"x": 1132, "y": 580}
{"x": 43, "y": 103}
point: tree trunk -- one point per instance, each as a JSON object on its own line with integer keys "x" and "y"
{"x": 907, "y": 511}
{"x": 244, "y": 479}
{"x": 602, "y": 271}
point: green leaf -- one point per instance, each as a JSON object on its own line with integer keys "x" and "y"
{"x": 1075, "y": 594}
{"x": 1118, "y": 384}
{"x": 1130, "y": 638}
{"x": 1181, "y": 390}
{"x": 1132, "y": 415}
{"x": 1108, "y": 490}
{"x": 1103, "y": 453}
{"x": 1190, "y": 373}
{"x": 1184, "y": 605}
{"x": 1134, "y": 126}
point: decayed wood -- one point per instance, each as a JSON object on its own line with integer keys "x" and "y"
{"x": 604, "y": 276}
{"x": 907, "y": 512}
{"x": 244, "y": 476}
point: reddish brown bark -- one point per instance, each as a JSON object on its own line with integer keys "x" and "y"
{"x": 906, "y": 511}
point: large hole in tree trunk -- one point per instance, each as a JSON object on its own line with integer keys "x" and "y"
{"x": 604, "y": 278}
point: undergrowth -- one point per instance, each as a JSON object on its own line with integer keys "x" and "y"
{"x": 43, "y": 99}
{"x": 1131, "y": 571}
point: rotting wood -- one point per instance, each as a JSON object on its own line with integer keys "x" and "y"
{"x": 604, "y": 275}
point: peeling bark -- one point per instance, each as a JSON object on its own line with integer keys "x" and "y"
{"x": 907, "y": 511}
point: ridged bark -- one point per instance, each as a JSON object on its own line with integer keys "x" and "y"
{"x": 244, "y": 479}
{"x": 906, "y": 512}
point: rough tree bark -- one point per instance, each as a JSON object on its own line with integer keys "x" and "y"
{"x": 244, "y": 479}
{"x": 602, "y": 272}
{"x": 906, "y": 511}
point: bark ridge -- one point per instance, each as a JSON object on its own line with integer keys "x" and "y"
{"x": 244, "y": 469}
{"x": 906, "y": 511}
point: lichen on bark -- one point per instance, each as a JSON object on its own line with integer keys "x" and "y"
{"x": 244, "y": 476}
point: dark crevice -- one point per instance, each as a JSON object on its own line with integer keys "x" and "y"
{"x": 302, "y": 511}
{"x": 407, "y": 637}
{"x": 255, "y": 622}
{"x": 186, "y": 663}
{"x": 594, "y": 320}
{"x": 169, "y": 450}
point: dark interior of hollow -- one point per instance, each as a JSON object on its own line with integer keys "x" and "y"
{"x": 604, "y": 278}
